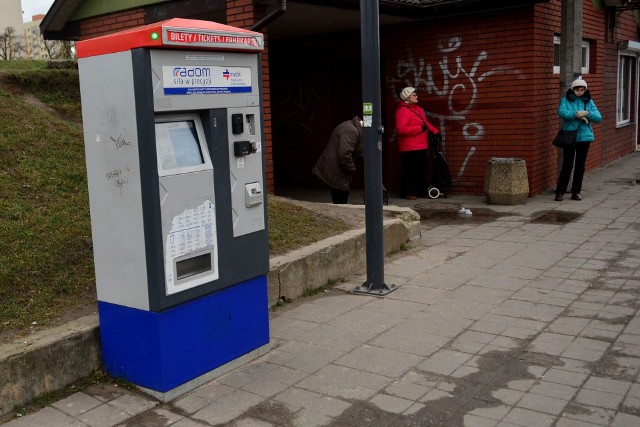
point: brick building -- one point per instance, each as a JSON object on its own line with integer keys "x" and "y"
{"x": 487, "y": 72}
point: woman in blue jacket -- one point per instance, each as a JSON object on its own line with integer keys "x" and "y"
{"x": 576, "y": 110}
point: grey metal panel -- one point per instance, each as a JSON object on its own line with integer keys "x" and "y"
{"x": 244, "y": 171}
{"x": 143, "y": 94}
{"x": 239, "y": 258}
{"x": 244, "y": 257}
{"x": 111, "y": 144}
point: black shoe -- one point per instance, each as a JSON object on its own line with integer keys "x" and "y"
{"x": 558, "y": 197}
{"x": 576, "y": 196}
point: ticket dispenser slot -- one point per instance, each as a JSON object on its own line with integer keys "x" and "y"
{"x": 193, "y": 265}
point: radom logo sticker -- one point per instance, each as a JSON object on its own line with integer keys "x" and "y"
{"x": 196, "y": 80}
{"x": 191, "y": 72}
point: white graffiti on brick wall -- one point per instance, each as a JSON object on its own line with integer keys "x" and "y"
{"x": 458, "y": 86}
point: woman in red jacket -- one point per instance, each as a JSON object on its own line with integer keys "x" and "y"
{"x": 412, "y": 129}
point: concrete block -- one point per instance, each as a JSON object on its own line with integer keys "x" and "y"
{"x": 506, "y": 181}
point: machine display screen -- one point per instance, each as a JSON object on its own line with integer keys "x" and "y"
{"x": 178, "y": 145}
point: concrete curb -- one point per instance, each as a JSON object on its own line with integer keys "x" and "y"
{"x": 49, "y": 360}
{"x": 313, "y": 266}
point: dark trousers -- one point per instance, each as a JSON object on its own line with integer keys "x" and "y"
{"x": 573, "y": 154}
{"x": 339, "y": 197}
{"x": 413, "y": 173}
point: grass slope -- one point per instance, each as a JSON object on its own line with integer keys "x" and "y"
{"x": 45, "y": 253}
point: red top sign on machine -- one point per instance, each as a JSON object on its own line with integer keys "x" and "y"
{"x": 177, "y": 32}
{"x": 180, "y": 37}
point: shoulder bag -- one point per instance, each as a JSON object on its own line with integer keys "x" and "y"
{"x": 566, "y": 138}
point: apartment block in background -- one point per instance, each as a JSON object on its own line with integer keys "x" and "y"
{"x": 34, "y": 47}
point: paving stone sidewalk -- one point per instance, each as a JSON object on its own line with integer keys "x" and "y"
{"x": 514, "y": 316}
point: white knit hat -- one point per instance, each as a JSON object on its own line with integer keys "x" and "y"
{"x": 406, "y": 93}
{"x": 578, "y": 83}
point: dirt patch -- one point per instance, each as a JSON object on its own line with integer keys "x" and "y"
{"x": 611, "y": 365}
{"x": 26, "y": 97}
{"x": 33, "y": 101}
{"x": 272, "y": 412}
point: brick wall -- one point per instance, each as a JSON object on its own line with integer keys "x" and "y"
{"x": 106, "y": 24}
{"x": 240, "y": 13}
{"x": 487, "y": 82}
{"x": 542, "y": 164}
{"x": 613, "y": 141}
{"x": 475, "y": 78}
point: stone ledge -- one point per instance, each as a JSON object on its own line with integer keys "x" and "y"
{"x": 336, "y": 257}
{"x": 47, "y": 361}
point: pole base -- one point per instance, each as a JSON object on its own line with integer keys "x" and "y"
{"x": 367, "y": 289}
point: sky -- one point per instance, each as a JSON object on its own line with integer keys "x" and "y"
{"x": 34, "y": 7}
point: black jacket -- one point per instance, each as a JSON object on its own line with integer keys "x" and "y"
{"x": 336, "y": 164}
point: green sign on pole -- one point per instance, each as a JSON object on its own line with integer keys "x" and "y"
{"x": 367, "y": 114}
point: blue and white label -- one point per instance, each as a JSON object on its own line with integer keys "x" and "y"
{"x": 204, "y": 80}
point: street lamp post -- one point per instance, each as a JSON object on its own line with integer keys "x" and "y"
{"x": 372, "y": 135}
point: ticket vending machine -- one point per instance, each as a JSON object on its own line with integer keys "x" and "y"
{"x": 173, "y": 138}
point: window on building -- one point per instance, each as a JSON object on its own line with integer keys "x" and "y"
{"x": 556, "y": 55}
{"x": 626, "y": 84}
{"x": 586, "y": 52}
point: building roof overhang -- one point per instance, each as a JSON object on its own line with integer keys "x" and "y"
{"x": 58, "y": 23}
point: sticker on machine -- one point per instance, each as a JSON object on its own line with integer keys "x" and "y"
{"x": 204, "y": 80}
{"x": 191, "y": 249}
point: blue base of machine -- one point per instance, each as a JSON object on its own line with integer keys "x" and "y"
{"x": 161, "y": 351}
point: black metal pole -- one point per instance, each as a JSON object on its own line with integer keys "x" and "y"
{"x": 372, "y": 136}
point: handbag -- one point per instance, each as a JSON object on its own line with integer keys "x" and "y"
{"x": 566, "y": 138}
{"x": 434, "y": 139}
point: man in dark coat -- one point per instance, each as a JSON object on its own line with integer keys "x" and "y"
{"x": 336, "y": 165}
